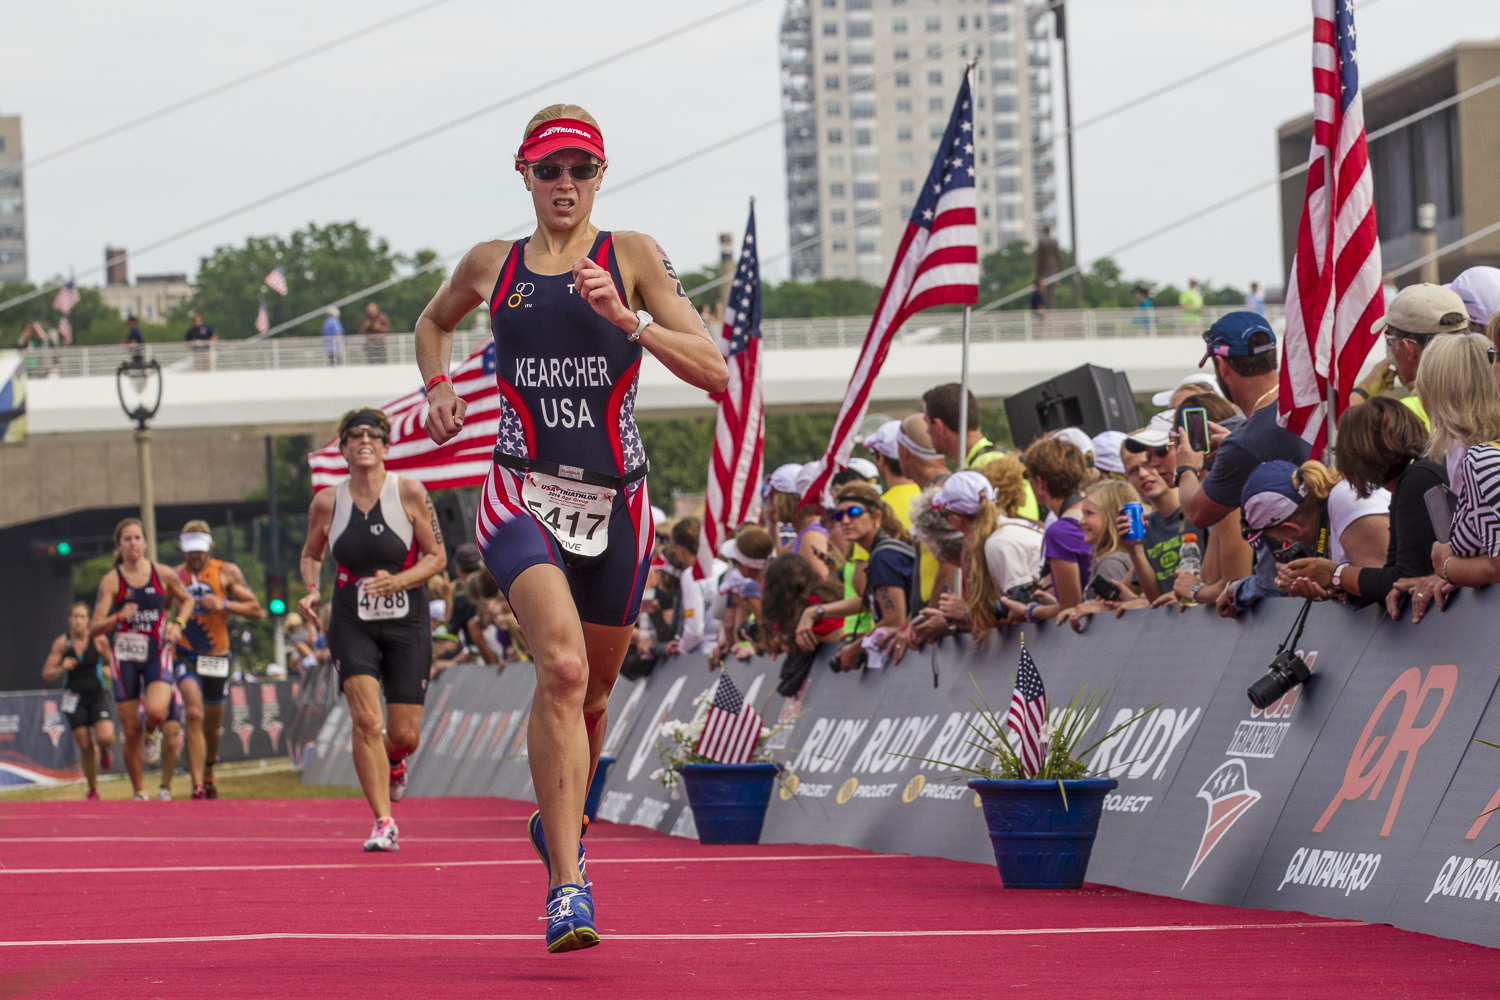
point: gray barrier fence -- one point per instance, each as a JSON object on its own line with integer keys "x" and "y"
{"x": 1361, "y": 795}
{"x": 36, "y": 742}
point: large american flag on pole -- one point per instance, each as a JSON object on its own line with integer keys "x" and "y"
{"x": 1028, "y": 713}
{"x": 1333, "y": 295}
{"x": 740, "y": 430}
{"x": 463, "y": 461}
{"x": 936, "y": 263}
{"x": 732, "y": 728}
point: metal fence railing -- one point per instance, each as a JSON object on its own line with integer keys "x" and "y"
{"x": 777, "y": 334}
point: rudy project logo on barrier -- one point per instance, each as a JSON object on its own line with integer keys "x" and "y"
{"x": 1365, "y": 773}
{"x": 1229, "y": 796}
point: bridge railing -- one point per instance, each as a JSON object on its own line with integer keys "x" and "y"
{"x": 777, "y": 334}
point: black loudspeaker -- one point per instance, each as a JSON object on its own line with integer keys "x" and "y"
{"x": 456, "y": 510}
{"x": 1092, "y": 398}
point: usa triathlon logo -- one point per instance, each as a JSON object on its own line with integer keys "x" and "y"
{"x": 1229, "y": 796}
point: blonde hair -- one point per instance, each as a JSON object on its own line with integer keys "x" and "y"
{"x": 200, "y": 527}
{"x": 552, "y": 112}
{"x": 1457, "y": 388}
{"x": 1109, "y": 495}
{"x": 1008, "y": 476}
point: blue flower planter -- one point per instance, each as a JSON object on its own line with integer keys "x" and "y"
{"x": 729, "y": 800}
{"x": 596, "y": 787}
{"x": 1038, "y": 843}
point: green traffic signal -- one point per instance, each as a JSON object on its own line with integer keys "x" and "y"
{"x": 277, "y": 606}
{"x": 64, "y": 548}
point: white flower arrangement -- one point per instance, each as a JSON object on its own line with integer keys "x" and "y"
{"x": 677, "y": 743}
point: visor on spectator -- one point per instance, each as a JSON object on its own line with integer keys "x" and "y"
{"x": 1156, "y": 434}
{"x": 1269, "y": 497}
{"x": 784, "y": 479}
{"x": 864, "y": 467}
{"x": 885, "y": 440}
{"x": 731, "y": 553}
{"x": 961, "y": 493}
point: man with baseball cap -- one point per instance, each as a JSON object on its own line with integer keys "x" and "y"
{"x": 1242, "y": 347}
{"x": 1416, "y": 315}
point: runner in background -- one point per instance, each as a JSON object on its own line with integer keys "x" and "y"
{"x": 384, "y": 534}
{"x": 132, "y": 607}
{"x": 564, "y": 519}
{"x": 218, "y": 588}
{"x": 82, "y": 660}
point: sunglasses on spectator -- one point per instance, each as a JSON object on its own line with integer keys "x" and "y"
{"x": 1490, "y": 353}
{"x": 844, "y": 512}
{"x": 372, "y": 433}
{"x": 552, "y": 171}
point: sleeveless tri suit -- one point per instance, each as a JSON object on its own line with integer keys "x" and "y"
{"x": 141, "y": 653}
{"x": 83, "y": 699}
{"x": 567, "y": 486}
{"x": 382, "y": 637}
{"x": 203, "y": 652}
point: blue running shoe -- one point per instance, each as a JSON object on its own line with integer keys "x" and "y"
{"x": 570, "y": 919}
{"x": 539, "y": 844}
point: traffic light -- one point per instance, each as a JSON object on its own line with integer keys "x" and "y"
{"x": 48, "y": 549}
{"x": 275, "y": 594}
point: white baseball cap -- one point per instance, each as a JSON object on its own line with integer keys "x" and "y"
{"x": 784, "y": 479}
{"x": 1076, "y": 437}
{"x": 1205, "y": 380}
{"x": 885, "y": 439}
{"x": 1107, "y": 451}
{"x": 1156, "y": 434}
{"x": 864, "y": 467}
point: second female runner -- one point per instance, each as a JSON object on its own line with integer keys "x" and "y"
{"x": 564, "y": 521}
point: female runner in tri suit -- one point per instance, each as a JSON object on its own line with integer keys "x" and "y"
{"x": 564, "y": 522}
{"x": 218, "y": 587}
{"x": 384, "y": 535}
{"x": 83, "y": 660}
{"x": 132, "y": 604}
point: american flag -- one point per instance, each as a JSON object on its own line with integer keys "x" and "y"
{"x": 276, "y": 280}
{"x": 740, "y": 431}
{"x": 936, "y": 263}
{"x": 65, "y": 329}
{"x": 732, "y": 728}
{"x": 67, "y": 298}
{"x": 262, "y": 319}
{"x": 1028, "y": 713}
{"x": 1334, "y": 293}
{"x": 463, "y": 461}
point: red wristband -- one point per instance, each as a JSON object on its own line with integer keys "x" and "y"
{"x": 436, "y": 379}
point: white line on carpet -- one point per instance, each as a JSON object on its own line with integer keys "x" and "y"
{"x": 375, "y": 864}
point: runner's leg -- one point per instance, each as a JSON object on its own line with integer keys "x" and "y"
{"x": 192, "y": 722}
{"x": 556, "y": 741}
{"x": 158, "y": 702}
{"x": 104, "y": 734}
{"x": 86, "y": 757}
{"x": 363, "y": 695}
{"x": 403, "y": 731}
{"x": 213, "y": 728}
{"x": 606, "y": 645}
{"x": 130, "y": 721}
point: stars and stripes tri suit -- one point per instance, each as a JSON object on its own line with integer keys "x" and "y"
{"x": 567, "y": 380}
{"x": 142, "y": 656}
{"x": 384, "y": 638}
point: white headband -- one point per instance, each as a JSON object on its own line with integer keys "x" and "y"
{"x": 196, "y": 541}
{"x": 919, "y": 450}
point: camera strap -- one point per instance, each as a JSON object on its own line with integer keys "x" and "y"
{"x": 1295, "y": 635}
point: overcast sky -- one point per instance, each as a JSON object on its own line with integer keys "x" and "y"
{"x": 74, "y": 68}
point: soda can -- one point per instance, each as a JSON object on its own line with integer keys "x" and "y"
{"x": 1137, "y": 515}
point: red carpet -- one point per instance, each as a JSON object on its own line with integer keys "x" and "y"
{"x": 275, "y": 899}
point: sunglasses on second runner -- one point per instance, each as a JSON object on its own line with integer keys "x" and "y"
{"x": 552, "y": 171}
{"x": 373, "y": 433}
{"x": 847, "y": 512}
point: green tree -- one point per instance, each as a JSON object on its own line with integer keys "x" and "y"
{"x": 321, "y": 263}
{"x": 93, "y": 322}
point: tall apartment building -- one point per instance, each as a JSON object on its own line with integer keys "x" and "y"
{"x": 867, "y": 89}
{"x": 12, "y": 202}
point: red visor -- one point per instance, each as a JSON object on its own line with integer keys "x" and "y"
{"x": 561, "y": 133}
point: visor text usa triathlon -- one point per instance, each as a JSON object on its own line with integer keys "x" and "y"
{"x": 561, "y": 133}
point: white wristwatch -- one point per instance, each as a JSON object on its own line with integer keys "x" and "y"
{"x": 645, "y": 321}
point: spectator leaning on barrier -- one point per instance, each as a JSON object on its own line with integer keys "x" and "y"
{"x": 1100, "y": 519}
{"x": 1414, "y": 317}
{"x": 693, "y": 628}
{"x": 1457, "y": 381}
{"x": 1242, "y": 347}
{"x": 813, "y": 541}
{"x": 792, "y": 587}
{"x": 1380, "y": 447}
{"x": 924, "y": 465}
{"x": 781, "y": 504}
{"x": 1056, "y": 471}
{"x": 889, "y": 579}
{"x": 940, "y": 406}
{"x": 1226, "y": 554}
{"x": 374, "y": 327}
{"x": 747, "y": 553}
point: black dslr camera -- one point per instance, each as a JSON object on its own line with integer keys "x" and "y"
{"x": 1286, "y": 671}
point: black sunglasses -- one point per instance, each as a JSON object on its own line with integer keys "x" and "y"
{"x": 1490, "y": 353}
{"x": 552, "y": 171}
{"x": 372, "y": 433}
{"x": 843, "y": 512}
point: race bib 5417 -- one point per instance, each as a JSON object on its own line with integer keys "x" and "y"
{"x": 577, "y": 514}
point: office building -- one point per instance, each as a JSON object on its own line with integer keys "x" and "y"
{"x": 12, "y": 202}
{"x": 867, "y": 90}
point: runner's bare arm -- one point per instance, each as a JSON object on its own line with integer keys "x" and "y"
{"x": 53, "y": 668}
{"x": 418, "y": 507}
{"x": 471, "y": 283}
{"x": 319, "y": 516}
{"x": 242, "y": 600}
{"x": 105, "y": 621}
{"x": 176, "y": 591}
{"x": 676, "y": 337}
{"x": 106, "y": 662}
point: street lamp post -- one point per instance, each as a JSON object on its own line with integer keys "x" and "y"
{"x": 138, "y": 382}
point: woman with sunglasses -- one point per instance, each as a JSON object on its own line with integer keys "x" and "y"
{"x": 866, "y": 520}
{"x": 385, "y": 539}
{"x": 564, "y": 521}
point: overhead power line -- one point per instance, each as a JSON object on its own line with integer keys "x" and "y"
{"x": 412, "y": 140}
{"x": 215, "y": 91}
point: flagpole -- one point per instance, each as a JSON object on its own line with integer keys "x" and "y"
{"x": 963, "y": 376}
